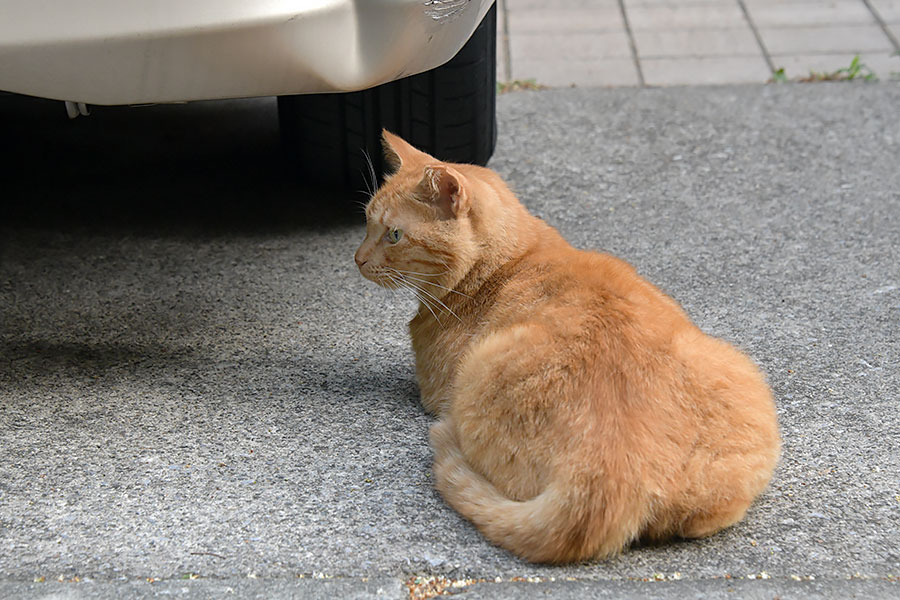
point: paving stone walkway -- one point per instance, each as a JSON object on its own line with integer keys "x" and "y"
{"x": 688, "y": 42}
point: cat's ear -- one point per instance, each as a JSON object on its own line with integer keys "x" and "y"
{"x": 445, "y": 188}
{"x": 398, "y": 151}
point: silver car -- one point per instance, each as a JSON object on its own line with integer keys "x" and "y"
{"x": 342, "y": 69}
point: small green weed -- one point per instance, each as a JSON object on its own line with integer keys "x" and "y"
{"x": 857, "y": 70}
{"x": 517, "y": 85}
{"x": 779, "y": 76}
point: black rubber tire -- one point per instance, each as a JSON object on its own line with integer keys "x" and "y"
{"x": 449, "y": 112}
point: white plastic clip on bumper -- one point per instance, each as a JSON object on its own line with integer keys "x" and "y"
{"x": 77, "y": 109}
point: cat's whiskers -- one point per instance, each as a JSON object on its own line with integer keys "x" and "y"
{"x": 427, "y": 305}
{"x": 434, "y": 298}
{"x": 415, "y": 292}
{"x": 417, "y": 273}
{"x": 362, "y": 204}
{"x": 411, "y": 283}
{"x": 374, "y": 178}
{"x": 437, "y": 285}
{"x": 400, "y": 285}
{"x": 431, "y": 302}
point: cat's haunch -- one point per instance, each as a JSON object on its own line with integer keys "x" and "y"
{"x": 579, "y": 409}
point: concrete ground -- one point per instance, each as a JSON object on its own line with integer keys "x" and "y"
{"x": 689, "y": 42}
{"x": 201, "y": 397}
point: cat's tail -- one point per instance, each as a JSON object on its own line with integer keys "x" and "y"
{"x": 568, "y": 521}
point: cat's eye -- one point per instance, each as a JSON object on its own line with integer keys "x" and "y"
{"x": 394, "y": 235}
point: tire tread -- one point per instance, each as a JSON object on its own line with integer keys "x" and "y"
{"x": 448, "y": 112}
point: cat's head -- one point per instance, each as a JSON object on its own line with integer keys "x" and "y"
{"x": 419, "y": 224}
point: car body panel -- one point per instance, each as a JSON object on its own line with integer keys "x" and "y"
{"x": 138, "y": 51}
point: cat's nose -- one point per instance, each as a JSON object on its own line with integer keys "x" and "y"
{"x": 359, "y": 260}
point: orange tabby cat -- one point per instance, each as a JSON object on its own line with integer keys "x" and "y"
{"x": 579, "y": 408}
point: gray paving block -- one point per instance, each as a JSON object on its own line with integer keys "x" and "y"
{"x": 889, "y": 10}
{"x": 515, "y": 5}
{"x": 705, "y": 70}
{"x": 667, "y": 17}
{"x": 800, "y": 13}
{"x": 894, "y": 28}
{"x": 850, "y": 39}
{"x": 696, "y": 43}
{"x": 561, "y": 48}
{"x": 606, "y": 72}
{"x": 575, "y": 20}
{"x": 675, "y": 4}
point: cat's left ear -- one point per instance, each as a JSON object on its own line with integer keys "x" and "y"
{"x": 398, "y": 152}
{"x": 446, "y": 190}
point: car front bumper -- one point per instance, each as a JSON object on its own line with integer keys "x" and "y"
{"x": 137, "y": 51}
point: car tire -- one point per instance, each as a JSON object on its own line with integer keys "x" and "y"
{"x": 449, "y": 112}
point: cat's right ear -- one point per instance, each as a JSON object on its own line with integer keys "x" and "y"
{"x": 397, "y": 151}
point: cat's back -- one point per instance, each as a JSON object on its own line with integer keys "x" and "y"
{"x": 606, "y": 317}
{"x": 560, "y": 283}
{"x": 636, "y": 329}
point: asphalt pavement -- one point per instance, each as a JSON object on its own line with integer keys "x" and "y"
{"x": 200, "y": 396}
